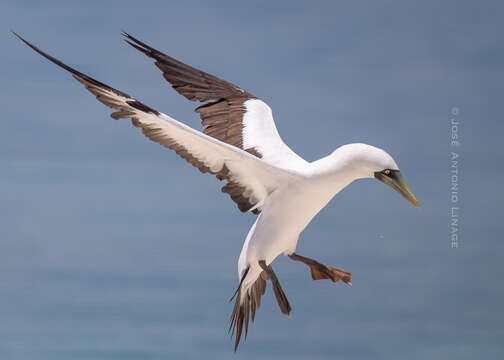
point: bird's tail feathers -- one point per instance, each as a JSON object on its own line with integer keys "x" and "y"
{"x": 248, "y": 300}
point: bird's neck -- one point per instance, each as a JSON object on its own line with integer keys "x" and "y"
{"x": 339, "y": 168}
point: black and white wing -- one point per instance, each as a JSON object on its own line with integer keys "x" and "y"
{"x": 230, "y": 113}
{"x": 249, "y": 179}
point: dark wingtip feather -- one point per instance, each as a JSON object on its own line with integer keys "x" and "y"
{"x": 70, "y": 69}
{"x": 140, "y": 45}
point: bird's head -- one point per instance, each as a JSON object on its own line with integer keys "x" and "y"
{"x": 366, "y": 161}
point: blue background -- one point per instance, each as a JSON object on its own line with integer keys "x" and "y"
{"x": 112, "y": 247}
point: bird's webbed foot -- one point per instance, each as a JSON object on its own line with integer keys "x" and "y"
{"x": 269, "y": 274}
{"x": 320, "y": 271}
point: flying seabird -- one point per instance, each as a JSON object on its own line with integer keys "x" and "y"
{"x": 240, "y": 144}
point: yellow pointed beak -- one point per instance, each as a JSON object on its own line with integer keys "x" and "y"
{"x": 395, "y": 180}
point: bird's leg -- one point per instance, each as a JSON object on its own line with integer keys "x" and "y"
{"x": 283, "y": 303}
{"x": 320, "y": 271}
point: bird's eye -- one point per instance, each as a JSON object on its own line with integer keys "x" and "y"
{"x": 386, "y": 172}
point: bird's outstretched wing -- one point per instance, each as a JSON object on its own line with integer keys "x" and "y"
{"x": 249, "y": 179}
{"x": 230, "y": 113}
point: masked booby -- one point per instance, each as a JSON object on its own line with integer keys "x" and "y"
{"x": 240, "y": 144}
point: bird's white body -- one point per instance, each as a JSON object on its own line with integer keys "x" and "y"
{"x": 284, "y": 216}
{"x": 287, "y": 211}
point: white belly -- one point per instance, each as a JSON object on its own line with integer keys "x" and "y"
{"x": 284, "y": 216}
